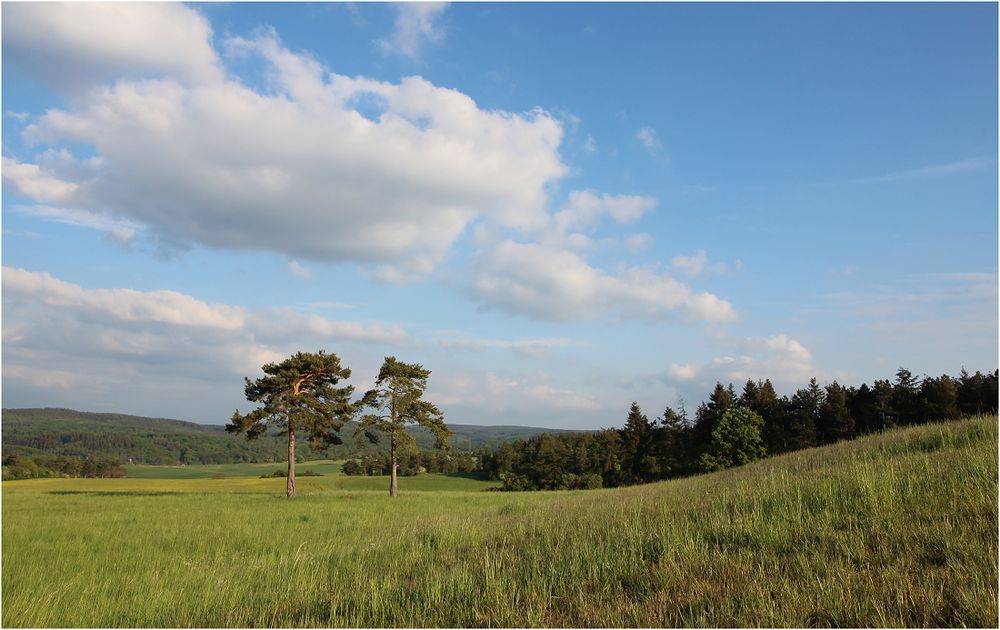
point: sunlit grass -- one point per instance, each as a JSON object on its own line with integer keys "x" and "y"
{"x": 891, "y": 530}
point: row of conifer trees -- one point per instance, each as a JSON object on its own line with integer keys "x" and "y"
{"x": 732, "y": 429}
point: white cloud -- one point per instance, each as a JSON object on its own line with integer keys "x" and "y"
{"x": 683, "y": 371}
{"x": 417, "y": 23}
{"x": 299, "y": 270}
{"x": 697, "y": 264}
{"x": 72, "y": 44}
{"x": 112, "y": 335}
{"x": 167, "y": 307}
{"x": 585, "y": 207}
{"x": 783, "y": 360}
{"x": 302, "y": 172}
{"x": 647, "y": 137}
{"x": 30, "y": 181}
{"x": 590, "y": 145}
{"x": 553, "y": 284}
{"x": 571, "y": 225}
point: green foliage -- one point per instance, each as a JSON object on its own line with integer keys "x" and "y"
{"x": 299, "y": 394}
{"x": 736, "y": 440}
{"x": 643, "y": 451}
{"x": 39, "y": 466}
{"x": 835, "y": 422}
{"x": 412, "y": 463}
{"x": 397, "y": 400}
{"x": 557, "y": 462}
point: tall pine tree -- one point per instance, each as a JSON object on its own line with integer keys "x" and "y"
{"x": 397, "y": 401}
{"x": 298, "y": 395}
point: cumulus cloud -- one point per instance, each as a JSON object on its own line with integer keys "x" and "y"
{"x": 783, "y": 360}
{"x": 28, "y": 180}
{"x": 316, "y": 166}
{"x": 71, "y": 44}
{"x": 417, "y": 23}
{"x": 123, "y": 340}
{"x": 585, "y": 207}
{"x": 167, "y": 307}
{"x": 573, "y": 224}
{"x": 557, "y": 285}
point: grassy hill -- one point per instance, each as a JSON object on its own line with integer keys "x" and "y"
{"x": 162, "y": 441}
{"x": 897, "y": 529}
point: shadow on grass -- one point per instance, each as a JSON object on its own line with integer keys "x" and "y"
{"x": 123, "y": 493}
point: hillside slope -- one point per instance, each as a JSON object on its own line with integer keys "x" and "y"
{"x": 72, "y": 433}
{"x": 890, "y": 530}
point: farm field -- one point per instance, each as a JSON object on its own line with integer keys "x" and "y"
{"x": 897, "y": 529}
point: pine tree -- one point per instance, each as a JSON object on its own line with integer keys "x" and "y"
{"x": 939, "y": 398}
{"x": 397, "y": 401}
{"x": 887, "y": 415}
{"x": 298, "y": 395}
{"x": 906, "y": 397}
{"x": 835, "y": 421}
{"x": 672, "y": 447}
{"x": 637, "y": 439}
{"x": 709, "y": 414}
{"x": 861, "y": 402}
{"x": 803, "y": 416}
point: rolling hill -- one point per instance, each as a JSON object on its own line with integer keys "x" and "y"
{"x": 50, "y": 431}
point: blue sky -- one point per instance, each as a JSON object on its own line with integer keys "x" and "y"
{"x": 557, "y": 208}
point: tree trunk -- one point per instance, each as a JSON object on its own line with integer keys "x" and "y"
{"x": 393, "y": 488}
{"x": 291, "y": 461}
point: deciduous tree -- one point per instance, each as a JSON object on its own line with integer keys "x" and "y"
{"x": 736, "y": 440}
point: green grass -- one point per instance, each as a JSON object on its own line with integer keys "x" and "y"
{"x": 898, "y": 529}
{"x": 208, "y": 471}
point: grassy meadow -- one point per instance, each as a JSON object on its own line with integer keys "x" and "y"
{"x": 898, "y": 529}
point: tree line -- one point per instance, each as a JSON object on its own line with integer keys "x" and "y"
{"x": 409, "y": 464}
{"x": 732, "y": 429}
{"x": 38, "y": 466}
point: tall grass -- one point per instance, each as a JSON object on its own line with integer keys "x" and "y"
{"x": 898, "y": 529}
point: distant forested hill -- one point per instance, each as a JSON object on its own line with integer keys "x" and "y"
{"x": 162, "y": 441}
